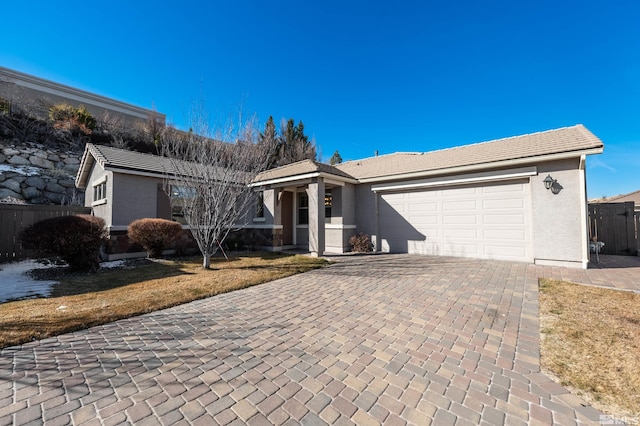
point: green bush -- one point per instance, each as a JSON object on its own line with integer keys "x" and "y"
{"x": 75, "y": 239}
{"x": 361, "y": 243}
{"x": 70, "y": 117}
{"x": 153, "y": 234}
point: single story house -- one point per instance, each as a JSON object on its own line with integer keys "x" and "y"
{"x": 520, "y": 198}
{"x": 633, "y": 197}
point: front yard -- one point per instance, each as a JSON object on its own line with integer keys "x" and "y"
{"x": 83, "y": 300}
{"x": 591, "y": 343}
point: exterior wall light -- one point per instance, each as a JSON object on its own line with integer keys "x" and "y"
{"x": 548, "y": 182}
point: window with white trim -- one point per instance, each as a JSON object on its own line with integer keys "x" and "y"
{"x": 303, "y": 208}
{"x": 328, "y": 202}
{"x": 100, "y": 190}
{"x": 260, "y": 205}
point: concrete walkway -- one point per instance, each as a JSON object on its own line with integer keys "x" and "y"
{"x": 391, "y": 339}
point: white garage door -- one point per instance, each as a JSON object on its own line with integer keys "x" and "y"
{"x": 485, "y": 221}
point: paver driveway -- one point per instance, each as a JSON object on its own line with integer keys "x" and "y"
{"x": 390, "y": 339}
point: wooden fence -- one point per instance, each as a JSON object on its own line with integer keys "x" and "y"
{"x": 617, "y": 225}
{"x": 14, "y": 218}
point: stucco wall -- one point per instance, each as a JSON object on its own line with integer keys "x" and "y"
{"x": 133, "y": 197}
{"x": 365, "y": 213}
{"x": 558, "y": 228}
{"x": 101, "y": 210}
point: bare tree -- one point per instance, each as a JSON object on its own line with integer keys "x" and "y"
{"x": 24, "y": 118}
{"x": 211, "y": 170}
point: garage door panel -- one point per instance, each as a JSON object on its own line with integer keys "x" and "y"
{"x": 418, "y": 207}
{"x": 503, "y": 204}
{"x": 430, "y": 219}
{"x": 458, "y": 192}
{"x": 504, "y": 188}
{"x": 468, "y": 219}
{"x": 490, "y": 221}
{"x": 504, "y": 234}
{"x": 462, "y": 205}
{"x": 464, "y": 234}
{"x": 504, "y": 219}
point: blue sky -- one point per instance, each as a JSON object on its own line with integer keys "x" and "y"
{"x": 363, "y": 76}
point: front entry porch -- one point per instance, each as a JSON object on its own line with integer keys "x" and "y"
{"x": 313, "y": 212}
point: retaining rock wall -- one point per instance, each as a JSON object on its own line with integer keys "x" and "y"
{"x": 39, "y": 175}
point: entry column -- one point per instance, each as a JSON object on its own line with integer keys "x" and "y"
{"x": 315, "y": 191}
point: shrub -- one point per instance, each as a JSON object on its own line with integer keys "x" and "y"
{"x": 76, "y": 239}
{"x": 361, "y": 243}
{"x": 69, "y": 117}
{"x": 153, "y": 234}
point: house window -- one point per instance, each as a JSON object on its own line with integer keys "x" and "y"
{"x": 303, "y": 209}
{"x": 260, "y": 205}
{"x": 328, "y": 201}
{"x": 179, "y": 196}
{"x": 100, "y": 191}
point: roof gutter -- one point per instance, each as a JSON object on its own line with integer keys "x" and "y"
{"x": 483, "y": 166}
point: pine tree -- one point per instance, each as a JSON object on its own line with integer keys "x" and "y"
{"x": 292, "y": 143}
{"x": 335, "y": 158}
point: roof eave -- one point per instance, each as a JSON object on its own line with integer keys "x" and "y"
{"x": 84, "y": 169}
{"x": 484, "y": 166}
{"x": 293, "y": 178}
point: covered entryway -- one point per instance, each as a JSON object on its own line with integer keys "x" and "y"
{"x": 488, "y": 220}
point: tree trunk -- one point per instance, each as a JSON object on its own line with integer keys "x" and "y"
{"x": 206, "y": 260}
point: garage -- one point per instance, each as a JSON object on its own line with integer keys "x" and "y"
{"x": 487, "y": 220}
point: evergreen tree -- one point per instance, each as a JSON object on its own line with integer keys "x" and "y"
{"x": 335, "y": 158}
{"x": 270, "y": 138}
{"x": 291, "y": 144}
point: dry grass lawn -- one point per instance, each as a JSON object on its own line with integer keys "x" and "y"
{"x": 84, "y": 300}
{"x": 591, "y": 343}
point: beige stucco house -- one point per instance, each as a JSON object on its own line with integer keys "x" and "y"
{"x": 487, "y": 200}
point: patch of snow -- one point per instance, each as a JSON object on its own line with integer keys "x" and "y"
{"x": 15, "y": 282}
{"x": 113, "y": 264}
{"x": 23, "y": 170}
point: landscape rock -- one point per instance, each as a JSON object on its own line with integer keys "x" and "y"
{"x": 40, "y": 174}
{"x": 12, "y": 185}
{"x": 36, "y": 182}
{"x": 53, "y": 187}
{"x": 4, "y": 192}
{"x": 67, "y": 183}
{"x": 55, "y": 197}
{"x": 10, "y": 151}
{"x": 19, "y": 161}
{"x": 41, "y": 162}
{"x": 30, "y": 193}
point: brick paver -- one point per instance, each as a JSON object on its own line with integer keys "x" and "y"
{"x": 385, "y": 339}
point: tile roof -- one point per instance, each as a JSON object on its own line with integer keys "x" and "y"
{"x": 632, "y": 196}
{"x": 300, "y": 168}
{"x": 116, "y": 158}
{"x": 131, "y": 160}
{"x": 565, "y": 140}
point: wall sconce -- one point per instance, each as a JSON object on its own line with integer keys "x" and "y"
{"x": 548, "y": 182}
